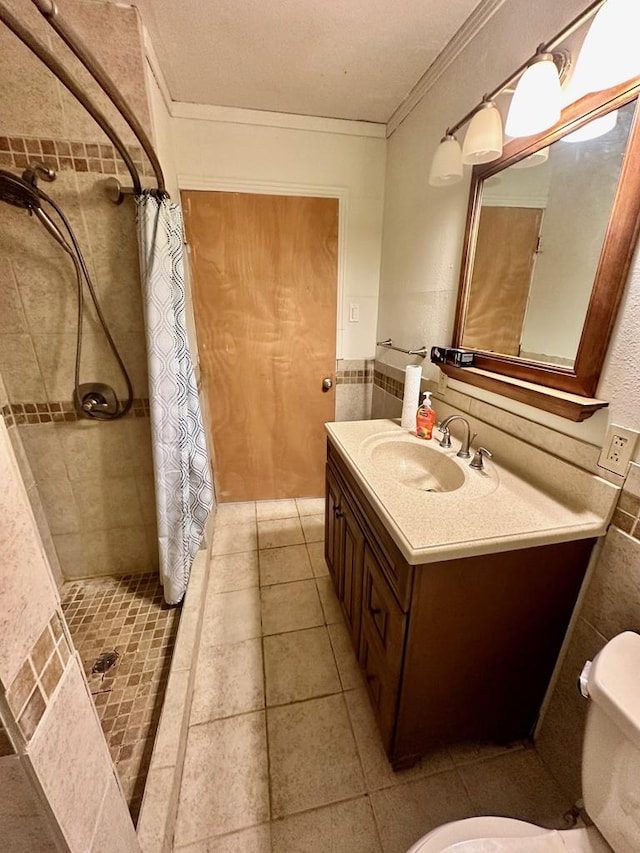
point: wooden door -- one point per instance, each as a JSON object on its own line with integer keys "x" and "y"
{"x": 502, "y": 270}
{"x": 265, "y": 298}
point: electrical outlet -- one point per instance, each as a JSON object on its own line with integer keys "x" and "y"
{"x": 618, "y": 449}
{"x": 442, "y": 382}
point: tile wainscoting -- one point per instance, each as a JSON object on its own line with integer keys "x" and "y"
{"x": 354, "y": 385}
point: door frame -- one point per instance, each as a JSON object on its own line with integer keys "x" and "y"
{"x": 256, "y": 187}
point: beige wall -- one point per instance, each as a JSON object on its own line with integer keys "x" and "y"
{"x": 90, "y": 483}
{"x": 224, "y": 149}
{"x": 424, "y": 226}
{"x": 422, "y": 241}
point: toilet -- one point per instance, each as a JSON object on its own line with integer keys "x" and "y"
{"x": 610, "y": 774}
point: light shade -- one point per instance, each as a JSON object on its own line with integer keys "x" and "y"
{"x": 610, "y": 54}
{"x": 483, "y": 142}
{"x": 446, "y": 167}
{"x": 593, "y": 129}
{"x": 535, "y": 159}
{"x": 537, "y": 100}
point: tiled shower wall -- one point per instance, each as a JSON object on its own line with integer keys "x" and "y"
{"x": 58, "y": 788}
{"x": 90, "y": 482}
{"x": 611, "y": 602}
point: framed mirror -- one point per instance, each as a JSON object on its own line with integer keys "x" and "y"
{"x": 551, "y": 229}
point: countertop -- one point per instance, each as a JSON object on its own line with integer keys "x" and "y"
{"x": 494, "y": 510}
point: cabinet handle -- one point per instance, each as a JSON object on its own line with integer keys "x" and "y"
{"x": 374, "y": 611}
{"x": 338, "y": 512}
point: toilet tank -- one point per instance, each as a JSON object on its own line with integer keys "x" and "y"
{"x": 611, "y": 754}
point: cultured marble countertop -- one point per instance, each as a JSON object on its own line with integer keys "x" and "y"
{"x": 493, "y": 510}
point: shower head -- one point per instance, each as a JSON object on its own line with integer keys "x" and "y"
{"x": 18, "y": 192}
{"x": 24, "y": 194}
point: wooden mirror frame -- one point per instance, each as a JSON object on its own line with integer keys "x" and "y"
{"x": 570, "y": 389}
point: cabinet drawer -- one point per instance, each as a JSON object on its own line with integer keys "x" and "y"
{"x": 382, "y": 619}
{"x": 382, "y": 689}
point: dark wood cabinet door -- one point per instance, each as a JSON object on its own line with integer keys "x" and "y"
{"x": 352, "y": 574}
{"x": 334, "y": 532}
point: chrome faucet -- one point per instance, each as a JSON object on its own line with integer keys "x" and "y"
{"x": 463, "y": 453}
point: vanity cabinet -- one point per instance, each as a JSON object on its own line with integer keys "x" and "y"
{"x": 451, "y": 651}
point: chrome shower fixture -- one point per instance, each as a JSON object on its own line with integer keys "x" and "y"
{"x": 92, "y": 400}
{"x": 23, "y": 192}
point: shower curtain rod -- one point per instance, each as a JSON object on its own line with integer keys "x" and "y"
{"x": 50, "y": 12}
{"x": 52, "y": 63}
{"x": 45, "y": 56}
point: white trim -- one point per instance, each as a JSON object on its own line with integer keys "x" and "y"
{"x": 471, "y": 27}
{"x": 242, "y": 185}
{"x": 237, "y": 115}
{"x": 152, "y": 60}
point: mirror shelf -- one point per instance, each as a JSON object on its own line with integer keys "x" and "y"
{"x": 564, "y": 383}
{"x": 570, "y": 406}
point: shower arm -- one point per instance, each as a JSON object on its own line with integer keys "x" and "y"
{"x": 45, "y": 56}
{"x": 50, "y": 12}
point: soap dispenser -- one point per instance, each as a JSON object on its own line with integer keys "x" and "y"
{"x": 425, "y": 417}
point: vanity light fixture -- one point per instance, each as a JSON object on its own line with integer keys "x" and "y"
{"x": 609, "y": 54}
{"x": 483, "y": 142}
{"x": 536, "y": 104}
{"x": 537, "y": 100}
{"x": 446, "y": 166}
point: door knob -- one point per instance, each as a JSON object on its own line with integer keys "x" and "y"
{"x": 327, "y": 384}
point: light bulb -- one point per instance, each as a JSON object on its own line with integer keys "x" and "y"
{"x": 609, "y": 54}
{"x": 446, "y": 167}
{"x": 593, "y": 129}
{"x": 536, "y": 102}
{"x": 483, "y": 141}
{"x": 535, "y": 159}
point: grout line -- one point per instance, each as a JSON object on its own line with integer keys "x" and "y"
{"x": 266, "y": 717}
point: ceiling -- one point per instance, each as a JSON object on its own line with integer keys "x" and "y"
{"x": 349, "y": 59}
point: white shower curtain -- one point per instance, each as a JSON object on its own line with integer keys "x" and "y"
{"x": 184, "y": 490}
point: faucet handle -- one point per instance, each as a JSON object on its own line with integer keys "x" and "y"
{"x": 478, "y": 460}
{"x": 445, "y": 441}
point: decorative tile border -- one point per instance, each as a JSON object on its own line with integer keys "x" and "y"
{"x": 19, "y": 414}
{"x": 31, "y": 690}
{"x": 354, "y": 377}
{"x": 62, "y": 155}
{"x": 388, "y": 384}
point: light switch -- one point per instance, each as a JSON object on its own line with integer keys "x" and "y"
{"x": 354, "y": 312}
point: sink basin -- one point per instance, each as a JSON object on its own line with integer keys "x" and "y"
{"x": 417, "y": 466}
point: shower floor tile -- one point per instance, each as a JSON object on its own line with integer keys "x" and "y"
{"x": 126, "y": 615}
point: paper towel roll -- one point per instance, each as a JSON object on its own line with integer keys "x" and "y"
{"x": 411, "y": 398}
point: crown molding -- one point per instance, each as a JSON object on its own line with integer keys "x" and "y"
{"x": 263, "y": 118}
{"x": 471, "y": 27}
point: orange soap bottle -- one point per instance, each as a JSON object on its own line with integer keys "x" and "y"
{"x": 425, "y": 417}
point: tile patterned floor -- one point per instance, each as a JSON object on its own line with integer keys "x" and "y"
{"x": 283, "y": 753}
{"x": 128, "y": 615}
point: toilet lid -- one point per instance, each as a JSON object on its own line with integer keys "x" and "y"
{"x": 549, "y": 842}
